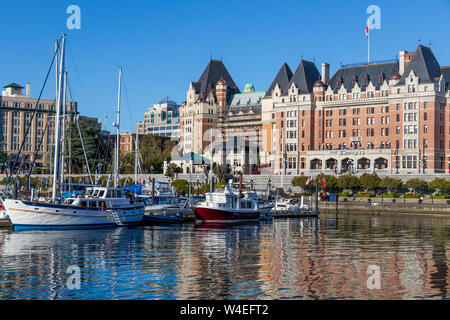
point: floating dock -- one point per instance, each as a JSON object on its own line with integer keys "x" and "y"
{"x": 289, "y": 214}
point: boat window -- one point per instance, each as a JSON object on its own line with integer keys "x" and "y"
{"x": 243, "y": 205}
{"x": 83, "y": 204}
{"x": 101, "y": 193}
{"x": 249, "y": 205}
{"x": 92, "y": 204}
{"x": 95, "y": 193}
{"x": 68, "y": 201}
{"x": 109, "y": 194}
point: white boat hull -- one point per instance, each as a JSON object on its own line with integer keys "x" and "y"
{"x": 24, "y": 214}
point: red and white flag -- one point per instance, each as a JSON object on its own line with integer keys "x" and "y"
{"x": 308, "y": 181}
{"x": 367, "y": 31}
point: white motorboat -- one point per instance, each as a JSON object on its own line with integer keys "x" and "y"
{"x": 265, "y": 207}
{"x": 174, "y": 210}
{"x": 105, "y": 207}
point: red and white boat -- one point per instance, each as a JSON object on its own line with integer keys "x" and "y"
{"x": 227, "y": 206}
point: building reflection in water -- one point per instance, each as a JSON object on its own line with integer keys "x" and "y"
{"x": 284, "y": 259}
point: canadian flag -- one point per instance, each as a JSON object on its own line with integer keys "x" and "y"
{"x": 367, "y": 31}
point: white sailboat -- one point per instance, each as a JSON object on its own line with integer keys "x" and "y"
{"x": 100, "y": 208}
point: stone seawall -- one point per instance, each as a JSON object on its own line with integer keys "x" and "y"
{"x": 398, "y": 208}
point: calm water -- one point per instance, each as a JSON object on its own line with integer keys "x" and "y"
{"x": 286, "y": 259}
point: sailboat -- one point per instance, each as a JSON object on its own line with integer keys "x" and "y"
{"x": 101, "y": 207}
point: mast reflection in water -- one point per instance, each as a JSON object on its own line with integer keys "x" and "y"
{"x": 284, "y": 259}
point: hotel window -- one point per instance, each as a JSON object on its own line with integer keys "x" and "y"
{"x": 425, "y": 116}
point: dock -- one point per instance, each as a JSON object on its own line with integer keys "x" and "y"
{"x": 290, "y": 214}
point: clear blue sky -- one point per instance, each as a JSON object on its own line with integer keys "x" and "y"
{"x": 163, "y": 45}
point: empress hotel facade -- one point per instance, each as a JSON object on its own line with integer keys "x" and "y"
{"x": 388, "y": 117}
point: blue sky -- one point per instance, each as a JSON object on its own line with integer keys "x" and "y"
{"x": 163, "y": 45}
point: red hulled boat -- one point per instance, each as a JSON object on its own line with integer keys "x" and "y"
{"x": 227, "y": 206}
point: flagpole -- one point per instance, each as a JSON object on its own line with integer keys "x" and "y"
{"x": 368, "y": 45}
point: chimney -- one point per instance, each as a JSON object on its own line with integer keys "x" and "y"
{"x": 325, "y": 72}
{"x": 28, "y": 89}
{"x": 402, "y": 62}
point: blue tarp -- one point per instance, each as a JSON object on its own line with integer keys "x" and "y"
{"x": 71, "y": 194}
{"x": 137, "y": 188}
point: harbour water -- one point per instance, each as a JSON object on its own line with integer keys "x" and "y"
{"x": 326, "y": 258}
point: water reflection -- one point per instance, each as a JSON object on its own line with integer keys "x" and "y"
{"x": 283, "y": 259}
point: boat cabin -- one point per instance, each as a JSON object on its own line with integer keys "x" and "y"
{"x": 99, "y": 197}
{"x": 230, "y": 200}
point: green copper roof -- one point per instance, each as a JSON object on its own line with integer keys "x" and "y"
{"x": 249, "y": 85}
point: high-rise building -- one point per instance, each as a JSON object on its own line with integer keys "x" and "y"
{"x": 162, "y": 119}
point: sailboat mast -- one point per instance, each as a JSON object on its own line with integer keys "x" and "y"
{"x": 136, "y": 157}
{"x": 116, "y": 176}
{"x": 63, "y": 134}
{"x": 56, "y": 169}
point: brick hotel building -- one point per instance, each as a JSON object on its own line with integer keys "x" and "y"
{"x": 382, "y": 117}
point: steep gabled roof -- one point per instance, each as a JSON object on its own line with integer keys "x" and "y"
{"x": 305, "y": 76}
{"x": 445, "y": 71}
{"x": 282, "y": 78}
{"x": 212, "y": 73}
{"x": 361, "y": 74}
{"x": 424, "y": 65}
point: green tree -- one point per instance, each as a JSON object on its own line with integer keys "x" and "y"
{"x": 441, "y": 185}
{"x": 391, "y": 184}
{"x": 348, "y": 181}
{"x": 181, "y": 185}
{"x": 369, "y": 182}
{"x": 171, "y": 170}
{"x": 97, "y": 146}
{"x": 330, "y": 181}
{"x": 126, "y": 163}
{"x": 154, "y": 150}
{"x": 3, "y": 161}
{"x": 299, "y": 181}
{"x": 417, "y": 185}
